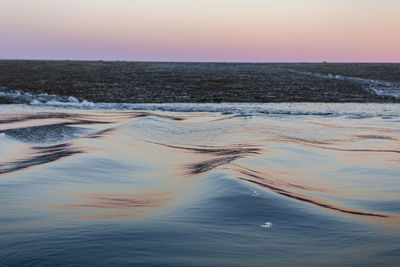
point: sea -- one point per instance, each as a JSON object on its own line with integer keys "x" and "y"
{"x": 226, "y": 184}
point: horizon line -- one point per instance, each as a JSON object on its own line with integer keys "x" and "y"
{"x": 188, "y": 61}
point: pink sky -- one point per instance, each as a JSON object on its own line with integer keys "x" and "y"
{"x": 201, "y": 30}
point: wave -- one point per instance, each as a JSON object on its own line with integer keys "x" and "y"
{"x": 276, "y": 154}
{"x": 41, "y": 155}
{"x": 46, "y": 134}
{"x": 377, "y": 87}
{"x": 360, "y": 110}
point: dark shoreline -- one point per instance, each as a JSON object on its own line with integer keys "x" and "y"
{"x": 167, "y": 82}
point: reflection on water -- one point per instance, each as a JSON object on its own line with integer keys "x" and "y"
{"x": 40, "y": 155}
{"x": 113, "y": 206}
{"x": 151, "y": 184}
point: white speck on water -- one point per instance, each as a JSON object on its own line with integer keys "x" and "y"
{"x": 267, "y": 225}
{"x": 36, "y": 102}
{"x": 255, "y": 194}
{"x": 72, "y": 99}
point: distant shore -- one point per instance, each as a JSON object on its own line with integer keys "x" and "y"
{"x": 153, "y": 82}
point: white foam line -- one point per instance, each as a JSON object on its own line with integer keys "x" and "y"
{"x": 235, "y": 109}
{"x": 377, "y": 87}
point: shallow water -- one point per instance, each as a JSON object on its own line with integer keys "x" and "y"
{"x": 231, "y": 184}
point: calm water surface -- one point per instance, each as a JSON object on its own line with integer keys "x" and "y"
{"x": 232, "y": 185}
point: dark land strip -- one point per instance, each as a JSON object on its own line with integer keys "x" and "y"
{"x": 163, "y": 82}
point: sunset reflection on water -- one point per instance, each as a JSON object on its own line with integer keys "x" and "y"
{"x": 201, "y": 169}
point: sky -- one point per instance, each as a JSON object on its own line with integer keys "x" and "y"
{"x": 202, "y": 30}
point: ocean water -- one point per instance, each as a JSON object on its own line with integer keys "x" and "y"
{"x": 304, "y": 184}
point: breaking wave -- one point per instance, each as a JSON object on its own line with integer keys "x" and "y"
{"x": 237, "y": 109}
